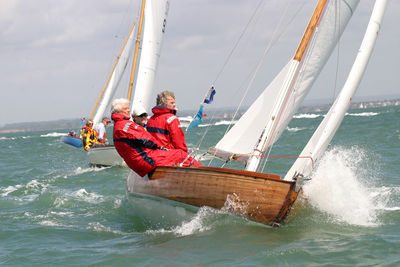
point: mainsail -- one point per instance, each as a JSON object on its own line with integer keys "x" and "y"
{"x": 155, "y": 17}
{"x": 269, "y": 115}
{"x": 115, "y": 76}
{"x": 329, "y": 125}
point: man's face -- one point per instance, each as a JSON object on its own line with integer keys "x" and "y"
{"x": 125, "y": 110}
{"x": 170, "y": 102}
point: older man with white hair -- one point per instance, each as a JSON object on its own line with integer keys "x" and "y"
{"x": 139, "y": 148}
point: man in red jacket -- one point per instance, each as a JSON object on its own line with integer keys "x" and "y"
{"x": 138, "y": 148}
{"x": 164, "y": 125}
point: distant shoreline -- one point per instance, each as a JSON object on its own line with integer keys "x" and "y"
{"x": 74, "y": 124}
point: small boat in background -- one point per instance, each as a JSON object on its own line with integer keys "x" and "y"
{"x": 72, "y": 139}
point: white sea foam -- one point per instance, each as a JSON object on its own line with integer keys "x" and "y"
{"x": 98, "y": 227}
{"x": 80, "y": 170}
{"x": 7, "y": 138}
{"x": 363, "y": 114}
{"x": 50, "y": 223}
{"x": 195, "y": 225}
{"x": 340, "y": 188}
{"x": 82, "y": 194}
{"x": 306, "y": 116}
{"x": 53, "y": 134}
{"x": 295, "y": 129}
{"x": 204, "y": 125}
{"x": 225, "y": 122}
{"x": 199, "y": 223}
{"x": 9, "y": 189}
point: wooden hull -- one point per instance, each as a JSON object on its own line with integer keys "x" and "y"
{"x": 260, "y": 197}
{"x": 73, "y": 141}
{"x": 105, "y": 156}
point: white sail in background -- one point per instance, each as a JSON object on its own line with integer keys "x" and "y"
{"x": 328, "y": 127}
{"x": 115, "y": 78}
{"x": 272, "y": 111}
{"x": 155, "y": 17}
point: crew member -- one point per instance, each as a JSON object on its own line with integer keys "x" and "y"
{"x": 101, "y": 130}
{"x": 139, "y": 115}
{"x": 139, "y": 148}
{"x": 164, "y": 125}
{"x": 89, "y": 135}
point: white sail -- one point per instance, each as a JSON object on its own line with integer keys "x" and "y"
{"x": 328, "y": 127}
{"x": 273, "y": 110}
{"x": 155, "y": 17}
{"x": 115, "y": 78}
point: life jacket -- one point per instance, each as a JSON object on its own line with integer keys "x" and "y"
{"x": 165, "y": 126}
{"x": 140, "y": 149}
{"x": 89, "y": 137}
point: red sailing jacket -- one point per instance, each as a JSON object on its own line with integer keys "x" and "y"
{"x": 166, "y": 128}
{"x": 139, "y": 148}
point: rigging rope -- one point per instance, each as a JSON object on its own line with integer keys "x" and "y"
{"x": 274, "y": 39}
{"x": 337, "y": 17}
{"x": 226, "y": 63}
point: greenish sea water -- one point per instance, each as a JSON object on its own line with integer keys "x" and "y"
{"x": 57, "y": 210}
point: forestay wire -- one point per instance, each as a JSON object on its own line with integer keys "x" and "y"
{"x": 278, "y": 32}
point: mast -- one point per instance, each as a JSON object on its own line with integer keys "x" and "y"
{"x": 135, "y": 56}
{"x": 268, "y": 134}
{"x": 330, "y": 124}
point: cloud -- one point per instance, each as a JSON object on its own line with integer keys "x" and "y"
{"x": 63, "y": 50}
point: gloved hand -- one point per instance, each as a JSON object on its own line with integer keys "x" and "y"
{"x": 163, "y": 148}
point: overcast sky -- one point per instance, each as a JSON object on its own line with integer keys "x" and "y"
{"x": 57, "y": 54}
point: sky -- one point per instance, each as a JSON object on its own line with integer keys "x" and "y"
{"x": 56, "y": 54}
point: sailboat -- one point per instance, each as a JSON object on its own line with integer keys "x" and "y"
{"x": 146, "y": 47}
{"x": 258, "y": 196}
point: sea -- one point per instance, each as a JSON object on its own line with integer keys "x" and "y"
{"x": 56, "y": 210}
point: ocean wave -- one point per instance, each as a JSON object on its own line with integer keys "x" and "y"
{"x": 80, "y": 170}
{"x": 295, "y": 129}
{"x": 225, "y": 122}
{"x": 307, "y": 116}
{"x": 363, "y": 114}
{"x": 82, "y": 194}
{"x": 30, "y": 191}
{"x": 98, "y": 227}
{"x": 8, "y": 138}
{"x": 199, "y": 223}
{"x": 9, "y": 189}
{"x": 205, "y": 125}
{"x": 53, "y": 134}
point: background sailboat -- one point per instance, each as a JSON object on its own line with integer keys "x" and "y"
{"x": 150, "y": 33}
{"x": 258, "y": 196}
